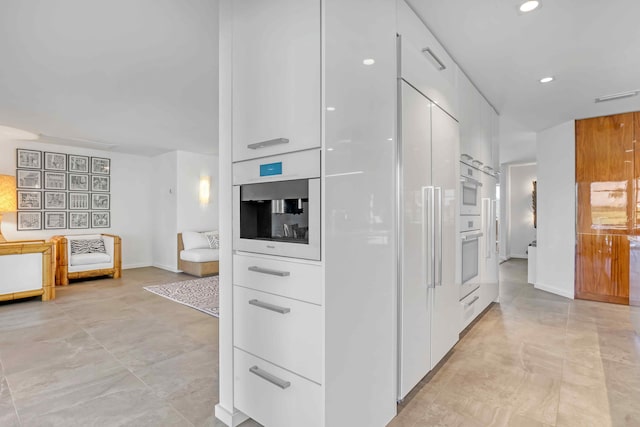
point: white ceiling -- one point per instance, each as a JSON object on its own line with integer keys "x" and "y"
{"x": 140, "y": 76}
{"x": 592, "y": 47}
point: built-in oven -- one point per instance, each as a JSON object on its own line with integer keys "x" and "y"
{"x": 276, "y": 204}
{"x": 470, "y": 192}
{"x": 470, "y": 236}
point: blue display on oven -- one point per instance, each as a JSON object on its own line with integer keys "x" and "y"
{"x": 270, "y": 169}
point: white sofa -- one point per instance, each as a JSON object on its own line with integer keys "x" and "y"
{"x": 196, "y": 256}
{"x": 72, "y": 265}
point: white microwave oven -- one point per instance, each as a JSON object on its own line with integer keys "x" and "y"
{"x": 276, "y": 205}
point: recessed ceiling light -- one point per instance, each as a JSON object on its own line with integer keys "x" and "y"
{"x": 331, "y": 108}
{"x": 369, "y": 61}
{"x": 8, "y": 132}
{"x": 330, "y": 149}
{"x": 546, "y": 79}
{"x": 529, "y": 5}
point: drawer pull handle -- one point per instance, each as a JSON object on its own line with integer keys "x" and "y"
{"x": 268, "y": 143}
{"x": 270, "y": 378}
{"x": 470, "y": 303}
{"x": 279, "y": 273}
{"x": 267, "y": 306}
{"x": 441, "y": 65}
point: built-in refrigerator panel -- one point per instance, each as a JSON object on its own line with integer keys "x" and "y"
{"x": 415, "y": 248}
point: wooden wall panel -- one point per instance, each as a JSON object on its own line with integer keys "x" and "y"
{"x": 606, "y": 205}
{"x": 602, "y": 268}
{"x": 604, "y": 174}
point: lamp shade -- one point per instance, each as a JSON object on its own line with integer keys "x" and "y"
{"x": 8, "y": 202}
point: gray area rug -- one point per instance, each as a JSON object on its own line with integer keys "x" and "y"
{"x": 201, "y": 294}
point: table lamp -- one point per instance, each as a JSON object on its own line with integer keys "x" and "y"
{"x": 8, "y": 202}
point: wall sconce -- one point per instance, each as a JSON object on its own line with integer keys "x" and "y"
{"x": 8, "y": 202}
{"x": 205, "y": 189}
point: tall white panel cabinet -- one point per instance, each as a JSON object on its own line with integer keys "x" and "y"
{"x": 299, "y": 84}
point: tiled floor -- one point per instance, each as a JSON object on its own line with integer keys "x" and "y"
{"x": 108, "y": 353}
{"x": 536, "y": 360}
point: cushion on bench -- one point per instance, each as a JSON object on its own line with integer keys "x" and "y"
{"x": 88, "y": 259}
{"x": 200, "y": 255}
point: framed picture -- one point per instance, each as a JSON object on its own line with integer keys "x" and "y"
{"x": 78, "y": 201}
{"x": 100, "y": 201}
{"x": 100, "y": 183}
{"x": 28, "y": 159}
{"x": 29, "y": 200}
{"x": 55, "y": 161}
{"x": 78, "y": 164}
{"x": 55, "y": 181}
{"x": 55, "y": 220}
{"x": 55, "y": 200}
{"x": 100, "y": 165}
{"x": 78, "y": 220}
{"x": 28, "y": 179}
{"x": 29, "y": 221}
{"x": 78, "y": 182}
{"x": 100, "y": 220}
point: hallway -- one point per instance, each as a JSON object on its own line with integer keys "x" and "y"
{"x": 536, "y": 359}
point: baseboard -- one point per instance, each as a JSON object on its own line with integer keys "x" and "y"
{"x": 138, "y": 265}
{"x": 554, "y": 290}
{"x": 521, "y": 256}
{"x": 166, "y": 267}
{"x": 231, "y": 420}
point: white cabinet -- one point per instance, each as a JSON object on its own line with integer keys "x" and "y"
{"x": 425, "y": 63}
{"x": 470, "y": 307}
{"x": 276, "y": 77}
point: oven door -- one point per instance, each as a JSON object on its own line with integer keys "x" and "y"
{"x": 278, "y": 218}
{"x": 470, "y": 262}
{"x": 470, "y": 196}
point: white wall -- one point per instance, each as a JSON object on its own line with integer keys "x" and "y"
{"x": 191, "y": 215}
{"x": 517, "y": 143}
{"x": 556, "y": 209}
{"x": 165, "y": 216}
{"x": 520, "y": 213}
{"x": 130, "y": 200}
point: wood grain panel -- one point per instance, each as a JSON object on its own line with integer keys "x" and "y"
{"x": 602, "y": 268}
{"x": 636, "y": 175}
{"x": 604, "y": 174}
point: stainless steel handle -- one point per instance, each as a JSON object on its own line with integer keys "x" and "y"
{"x": 262, "y": 270}
{"x": 438, "y": 236}
{"x": 494, "y": 209}
{"x": 267, "y": 306}
{"x": 268, "y": 143}
{"x": 473, "y": 300}
{"x": 428, "y": 231}
{"x": 473, "y": 236}
{"x": 469, "y": 180}
{"x": 435, "y": 57}
{"x": 269, "y": 377}
{"x": 487, "y": 226}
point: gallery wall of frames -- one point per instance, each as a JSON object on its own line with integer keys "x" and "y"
{"x": 62, "y": 191}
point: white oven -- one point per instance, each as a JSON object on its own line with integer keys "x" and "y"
{"x": 470, "y": 236}
{"x": 276, "y": 205}
{"x": 470, "y": 194}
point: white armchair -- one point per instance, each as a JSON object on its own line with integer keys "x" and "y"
{"x": 27, "y": 270}
{"x": 73, "y": 264}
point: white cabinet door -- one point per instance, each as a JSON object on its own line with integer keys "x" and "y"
{"x": 470, "y": 119}
{"x": 445, "y": 320}
{"x": 276, "y": 77}
{"x": 415, "y": 315}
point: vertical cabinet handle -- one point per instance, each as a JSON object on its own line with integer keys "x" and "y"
{"x": 438, "y": 236}
{"x": 269, "y": 377}
{"x": 268, "y": 143}
{"x": 271, "y": 307}
{"x": 269, "y": 271}
{"x": 428, "y": 234}
{"x": 487, "y": 226}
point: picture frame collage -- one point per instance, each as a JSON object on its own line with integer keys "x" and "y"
{"x": 58, "y": 191}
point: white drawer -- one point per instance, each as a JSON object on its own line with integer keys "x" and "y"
{"x": 471, "y": 307}
{"x": 299, "y": 403}
{"x": 291, "y": 338}
{"x": 287, "y": 278}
